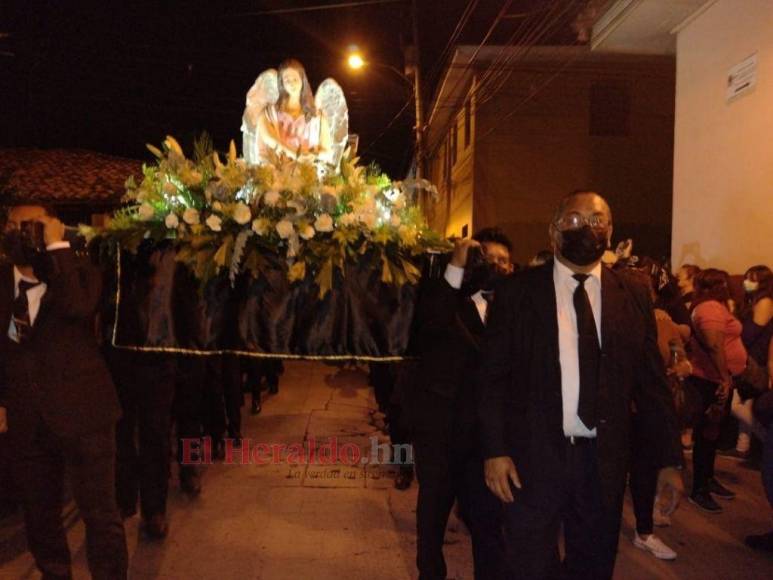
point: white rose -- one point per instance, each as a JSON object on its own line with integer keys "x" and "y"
{"x": 217, "y": 206}
{"x": 347, "y": 219}
{"x": 242, "y": 213}
{"x": 307, "y": 232}
{"x": 285, "y": 229}
{"x": 260, "y": 226}
{"x": 271, "y": 198}
{"x": 171, "y": 221}
{"x": 214, "y": 223}
{"x": 146, "y": 212}
{"x": 395, "y": 220}
{"x": 324, "y": 223}
{"x": 191, "y": 216}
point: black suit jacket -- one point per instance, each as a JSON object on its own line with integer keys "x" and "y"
{"x": 58, "y": 375}
{"x": 520, "y": 409}
{"x": 448, "y": 338}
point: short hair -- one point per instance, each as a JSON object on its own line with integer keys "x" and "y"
{"x": 711, "y": 284}
{"x": 493, "y": 235}
{"x": 564, "y": 201}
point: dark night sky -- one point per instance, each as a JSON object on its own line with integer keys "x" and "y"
{"x": 111, "y": 76}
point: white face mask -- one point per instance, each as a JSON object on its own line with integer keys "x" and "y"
{"x": 751, "y": 286}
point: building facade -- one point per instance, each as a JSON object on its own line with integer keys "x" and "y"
{"x": 723, "y": 154}
{"x": 512, "y": 130}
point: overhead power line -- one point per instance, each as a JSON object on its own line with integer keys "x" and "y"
{"x": 319, "y": 7}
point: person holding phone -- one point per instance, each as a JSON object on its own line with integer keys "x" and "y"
{"x": 58, "y": 405}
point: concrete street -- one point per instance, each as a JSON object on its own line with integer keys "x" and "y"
{"x": 348, "y": 522}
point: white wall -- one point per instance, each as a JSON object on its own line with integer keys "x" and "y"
{"x": 723, "y": 152}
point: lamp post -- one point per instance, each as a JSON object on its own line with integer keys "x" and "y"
{"x": 356, "y": 61}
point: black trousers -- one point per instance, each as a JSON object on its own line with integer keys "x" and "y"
{"x": 574, "y": 498}
{"x": 145, "y": 385}
{"x": 190, "y": 381}
{"x": 449, "y": 468}
{"x": 643, "y": 483}
{"x": 39, "y": 471}
{"x": 704, "y": 450}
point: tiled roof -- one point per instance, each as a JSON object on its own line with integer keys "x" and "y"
{"x": 64, "y": 176}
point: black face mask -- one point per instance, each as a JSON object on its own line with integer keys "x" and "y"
{"x": 583, "y": 246}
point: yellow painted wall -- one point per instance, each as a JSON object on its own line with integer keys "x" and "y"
{"x": 723, "y": 158}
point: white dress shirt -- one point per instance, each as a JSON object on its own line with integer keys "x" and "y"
{"x": 34, "y": 294}
{"x": 565, "y": 286}
{"x": 454, "y": 275}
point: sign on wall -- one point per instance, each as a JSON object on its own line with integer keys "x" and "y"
{"x": 742, "y": 78}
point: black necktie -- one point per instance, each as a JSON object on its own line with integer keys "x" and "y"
{"x": 21, "y": 311}
{"x": 589, "y": 353}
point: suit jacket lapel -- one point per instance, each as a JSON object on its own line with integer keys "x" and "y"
{"x": 45, "y": 306}
{"x": 612, "y": 302}
{"x": 543, "y": 295}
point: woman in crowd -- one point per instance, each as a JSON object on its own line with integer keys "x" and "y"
{"x": 685, "y": 277}
{"x": 644, "y": 469}
{"x": 757, "y": 319}
{"x": 717, "y": 355}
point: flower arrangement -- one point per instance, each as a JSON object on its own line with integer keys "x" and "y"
{"x": 228, "y": 216}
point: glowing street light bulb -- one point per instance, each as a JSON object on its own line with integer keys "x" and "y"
{"x": 355, "y": 61}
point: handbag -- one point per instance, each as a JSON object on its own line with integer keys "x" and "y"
{"x": 753, "y": 381}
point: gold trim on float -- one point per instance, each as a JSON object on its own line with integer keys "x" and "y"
{"x": 249, "y": 353}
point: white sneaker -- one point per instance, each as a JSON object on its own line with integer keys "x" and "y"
{"x": 655, "y": 546}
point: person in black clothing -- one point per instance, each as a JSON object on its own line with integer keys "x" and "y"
{"x": 570, "y": 347}
{"x": 145, "y": 383}
{"x": 450, "y": 321}
{"x": 58, "y": 404}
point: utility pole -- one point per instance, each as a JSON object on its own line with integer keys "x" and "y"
{"x": 419, "y": 150}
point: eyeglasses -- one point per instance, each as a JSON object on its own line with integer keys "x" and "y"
{"x": 574, "y": 221}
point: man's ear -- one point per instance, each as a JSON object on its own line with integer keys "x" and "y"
{"x": 553, "y": 234}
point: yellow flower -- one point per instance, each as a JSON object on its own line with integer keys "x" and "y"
{"x": 260, "y": 226}
{"x": 297, "y": 271}
{"x": 307, "y": 232}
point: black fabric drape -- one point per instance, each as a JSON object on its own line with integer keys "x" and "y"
{"x": 161, "y": 306}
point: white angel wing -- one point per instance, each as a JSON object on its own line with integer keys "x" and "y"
{"x": 331, "y": 102}
{"x": 264, "y": 92}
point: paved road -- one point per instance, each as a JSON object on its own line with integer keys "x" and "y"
{"x": 341, "y": 522}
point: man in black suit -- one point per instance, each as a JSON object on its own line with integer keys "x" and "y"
{"x": 441, "y": 413}
{"x": 571, "y": 347}
{"x": 58, "y": 406}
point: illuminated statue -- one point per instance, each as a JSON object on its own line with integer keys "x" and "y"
{"x": 283, "y": 115}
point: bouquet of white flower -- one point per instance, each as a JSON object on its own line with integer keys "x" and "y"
{"x": 234, "y": 217}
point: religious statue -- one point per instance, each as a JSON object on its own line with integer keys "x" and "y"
{"x": 283, "y": 116}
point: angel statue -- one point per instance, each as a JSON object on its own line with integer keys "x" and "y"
{"x": 283, "y": 115}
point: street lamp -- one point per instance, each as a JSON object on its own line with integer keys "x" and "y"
{"x": 356, "y": 61}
